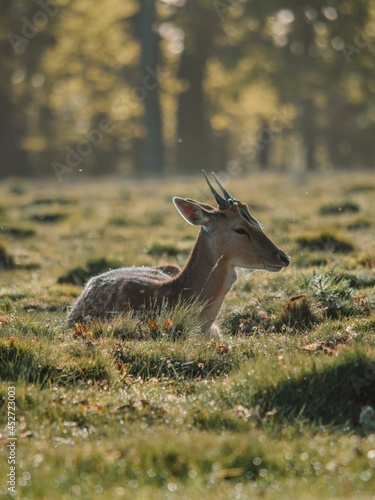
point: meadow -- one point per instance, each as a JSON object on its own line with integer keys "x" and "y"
{"x": 145, "y": 407}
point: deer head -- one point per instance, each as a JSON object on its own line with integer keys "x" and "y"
{"x": 234, "y": 235}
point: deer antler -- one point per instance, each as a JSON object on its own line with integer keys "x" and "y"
{"x": 222, "y": 202}
{"x": 228, "y": 197}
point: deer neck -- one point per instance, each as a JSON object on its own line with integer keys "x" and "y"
{"x": 207, "y": 277}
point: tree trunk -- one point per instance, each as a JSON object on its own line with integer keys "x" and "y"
{"x": 264, "y": 145}
{"x": 192, "y": 123}
{"x": 14, "y": 160}
{"x": 308, "y": 130}
{"x": 152, "y": 149}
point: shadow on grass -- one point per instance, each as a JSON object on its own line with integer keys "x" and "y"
{"x": 17, "y": 232}
{"x": 174, "y": 362}
{"x": 19, "y": 361}
{"x": 6, "y": 260}
{"x": 48, "y": 218}
{"x": 331, "y": 394}
{"x": 325, "y": 242}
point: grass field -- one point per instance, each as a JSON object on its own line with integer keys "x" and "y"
{"x": 145, "y": 408}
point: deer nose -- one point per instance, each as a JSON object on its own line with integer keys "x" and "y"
{"x": 285, "y": 259}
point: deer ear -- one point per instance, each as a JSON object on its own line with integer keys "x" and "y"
{"x": 192, "y": 211}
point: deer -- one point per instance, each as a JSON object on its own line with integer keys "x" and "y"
{"x": 229, "y": 238}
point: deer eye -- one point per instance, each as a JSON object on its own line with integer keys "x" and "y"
{"x": 239, "y": 230}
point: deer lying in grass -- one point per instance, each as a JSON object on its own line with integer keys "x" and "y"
{"x": 229, "y": 237}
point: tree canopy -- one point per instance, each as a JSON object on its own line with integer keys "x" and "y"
{"x": 153, "y": 87}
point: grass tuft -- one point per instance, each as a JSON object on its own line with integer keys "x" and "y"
{"x": 339, "y": 208}
{"x": 51, "y": 201}
{"x": 120, "y": 221}
{"x": 17, "y": 232}
{"x": 48, "y": 217}
{"x": 168, "y": 324}
{"x": 165, "y": 250}
{"x": 359, "y": 224}
{"x": 298, "y": 313}
{"x": 333, "y": 294}
{"x": 326, "y": 242}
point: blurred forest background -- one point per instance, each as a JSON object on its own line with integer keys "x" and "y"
{"x": 159, "y": 87}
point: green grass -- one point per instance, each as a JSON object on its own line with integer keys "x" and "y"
{"x": 144, "y": 407}
{"x": 339, "y": 208}
{"x": 326, "y": 242}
